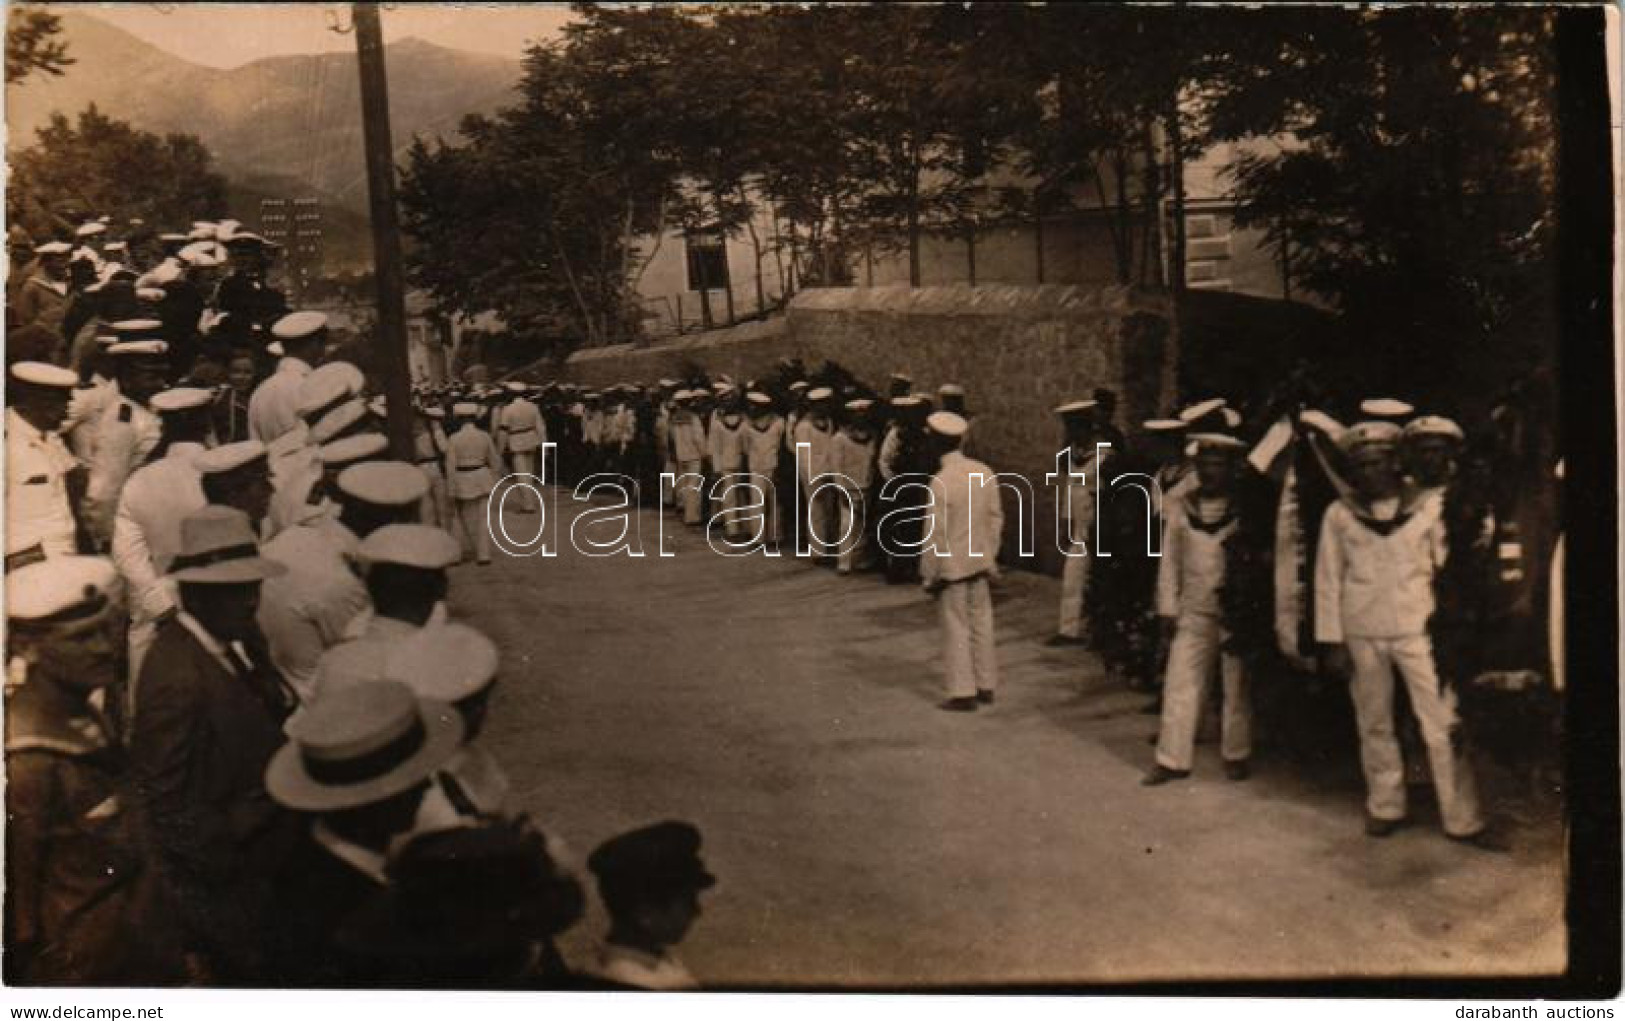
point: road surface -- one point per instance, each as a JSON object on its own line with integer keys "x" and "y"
{"x": 862, "y": 837}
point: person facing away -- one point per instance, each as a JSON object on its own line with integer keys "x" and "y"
{"x": 959, "y": 560}
{"x": 650, "y": 881}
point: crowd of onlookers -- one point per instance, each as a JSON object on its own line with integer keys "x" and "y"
{"x": 242, "y": 722}
{"x": 242, "y": 733}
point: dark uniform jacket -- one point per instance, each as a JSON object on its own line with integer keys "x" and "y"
{"x": 201, "y": 737}
{"x": 75, "y": 887}
{"x": 250, "y": 300}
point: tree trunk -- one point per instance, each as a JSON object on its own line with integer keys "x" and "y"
{"x": 1151, "y": 232}
{"x": 1114, "y": 227}
{"x": 575, "y": 289}
{"x": 727, "y": 274}
{"x": 1038, "y": 234}
{"x": 1176, "y": 181}
{"x": 778, "y": 250}
{"x": 913, "y": 211}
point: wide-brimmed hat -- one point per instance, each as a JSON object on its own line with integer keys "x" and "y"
{"x": 218, "y": 548}
{"x": 361, "y": 744}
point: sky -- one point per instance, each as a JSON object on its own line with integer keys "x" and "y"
{"x": 229, "y": 35}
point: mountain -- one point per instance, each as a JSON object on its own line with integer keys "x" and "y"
{"x": 279, "y": 126}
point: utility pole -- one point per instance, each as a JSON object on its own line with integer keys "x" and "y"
{"x": 390, "y": 335}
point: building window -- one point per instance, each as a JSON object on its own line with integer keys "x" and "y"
{"x": 1201, "y": 226}
{"x": 707, "y": 261}
{"x": 1200, "y": 272}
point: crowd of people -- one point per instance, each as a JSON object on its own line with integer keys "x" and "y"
{"x": 1380, "y": 554}
{"x": 242, "y": 735}
{"x": 234, "y": 675}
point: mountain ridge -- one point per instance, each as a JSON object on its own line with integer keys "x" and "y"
{"x": 292, "y": 117}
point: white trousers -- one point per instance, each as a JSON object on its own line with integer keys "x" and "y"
{"x": 1074, "y": 580}
{"x": 687, "y": 491}
{"x": 471, "y": 519}
{"x": 967, "y": 638}
{"x": 821, "y": 518}
{"x": 851, "y": 532}
{"x": 524, "y": 463}
{"x": 1196, "y": 644}
{"x": 435, "y": 507}
{"x": 736, "y": 525}
{"x": 1372, "y": 690}
{"x": 765, "y": 522}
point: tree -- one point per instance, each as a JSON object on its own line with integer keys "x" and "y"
{"x": 1413, "y": 188}
{"x": 85, "y": 167}
{"x": 32, "y": 44}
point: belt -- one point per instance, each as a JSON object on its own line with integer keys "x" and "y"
{"x": 968, "y": 578}
{"x": 526, "y": 429}
{"x": 470, "y": 467}
{"x": 428, "y": 460}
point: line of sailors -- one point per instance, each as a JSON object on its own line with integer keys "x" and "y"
{"x": 1349, "y": 584}
{"x": 242, "y": 727}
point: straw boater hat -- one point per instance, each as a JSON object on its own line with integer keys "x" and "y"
{"x": 218, "y": 548}
{"x": 360, "y": 745}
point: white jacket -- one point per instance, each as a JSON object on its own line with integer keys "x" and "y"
{"x": 1371, "y": 585}
{"x": 966, "y": 522}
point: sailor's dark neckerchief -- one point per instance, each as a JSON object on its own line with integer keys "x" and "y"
{"x": 1407, "y": 510}
{"x": 1193, "y": 515}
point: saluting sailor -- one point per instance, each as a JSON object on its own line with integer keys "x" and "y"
{"x": 1374, "y": 575}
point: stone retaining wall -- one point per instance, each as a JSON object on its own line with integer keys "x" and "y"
{"x": 1018, "y": 351}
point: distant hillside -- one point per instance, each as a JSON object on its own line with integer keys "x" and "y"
{"x": 283, "y": 122}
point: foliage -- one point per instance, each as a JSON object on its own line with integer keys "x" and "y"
{"x": 32, "y": 44}
{"x": 1414, "y": 186}
{"x": 1408, "y": 167}
{"x": 84, "y": 168}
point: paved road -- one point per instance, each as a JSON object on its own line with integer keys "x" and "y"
{"x": 862, "y": 837}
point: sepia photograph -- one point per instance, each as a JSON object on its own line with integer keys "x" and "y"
{"x": 964, "y": 498}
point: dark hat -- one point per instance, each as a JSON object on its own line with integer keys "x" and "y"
{"x": 464, "y": 901}
{"x": 649, "y": 864}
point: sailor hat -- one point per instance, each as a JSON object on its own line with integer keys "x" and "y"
{"x": 1075, "y": 408}
{"x": 59, "y": 590}
{"x": 297, "y": 325}
{"x": 1369, "y": 434}
{"x": 946, "y": 423}
{"x": 383, "y": 483}
{"x": 181, "y": 398}
{"x": 1433, "y": 425}
{"x": 422, "y": 546}
{"x": 230, "y": 457}
{"x": 44, "y": 374}
{"x": 447, "y": 664}
{"x": 351, "y": 450}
